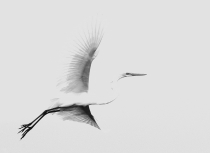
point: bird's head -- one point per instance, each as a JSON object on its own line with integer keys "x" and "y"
{"x": 132, "y": 74}
{"x": 123, "y": 75}
{"x": 128, "y": 74}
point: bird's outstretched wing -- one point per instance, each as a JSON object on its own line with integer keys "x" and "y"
{"x": 76, "y": 79}
{"x": 79, "y": 114}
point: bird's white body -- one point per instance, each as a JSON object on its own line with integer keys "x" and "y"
{"x": 73, "y": 98}
{"x": 108, "y": 94}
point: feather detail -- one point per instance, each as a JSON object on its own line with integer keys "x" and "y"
{"x": 79, "y": 114}
{"x": 76, "y": 78}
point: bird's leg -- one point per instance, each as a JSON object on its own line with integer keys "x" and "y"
{"x": 24, "y": 125}
{"x": 25, "y": 128}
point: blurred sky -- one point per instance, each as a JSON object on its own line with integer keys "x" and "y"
{"x": 165, "y": 111}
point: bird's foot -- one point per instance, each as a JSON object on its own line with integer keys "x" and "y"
{"x": 25, "y": 128}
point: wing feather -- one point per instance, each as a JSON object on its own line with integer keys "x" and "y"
{"x": 79, "y": 114}
{"x": 76, "y": 78}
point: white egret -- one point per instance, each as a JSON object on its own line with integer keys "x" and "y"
{"x": 76, "y": 81}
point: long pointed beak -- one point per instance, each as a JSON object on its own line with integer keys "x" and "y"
{"x": 137, "y": 74}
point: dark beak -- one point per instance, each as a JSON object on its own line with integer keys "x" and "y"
{"x": 137, "y": 74}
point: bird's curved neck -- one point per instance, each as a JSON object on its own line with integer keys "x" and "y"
{"x": 112, "y": 92}
{"x": 114, "y": 85}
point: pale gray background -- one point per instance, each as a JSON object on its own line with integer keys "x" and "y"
{"x": 165, "y": 111}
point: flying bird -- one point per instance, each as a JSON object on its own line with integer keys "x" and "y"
{"x": 76, "y": 81}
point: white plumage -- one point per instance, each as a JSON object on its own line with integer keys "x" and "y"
{"x": 76, "y": 81}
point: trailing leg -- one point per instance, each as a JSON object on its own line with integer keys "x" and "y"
{"x": 25, "y": 128}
